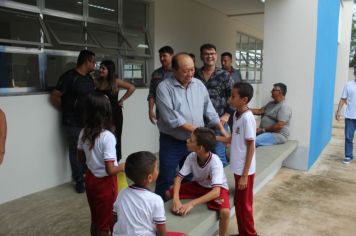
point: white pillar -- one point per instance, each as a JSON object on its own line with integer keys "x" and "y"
{"x": 289, "y": 57}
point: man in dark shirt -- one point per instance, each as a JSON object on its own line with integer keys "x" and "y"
{"x": 68, "y": 96}
{"x": 165, "y": 71}
{"x": 226, "y": 64}
{"x": 219, "y": 85}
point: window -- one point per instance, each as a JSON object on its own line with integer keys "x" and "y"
{"x": 56, "y": 66}
{"x": 41, "y": 39}
{"x": 134, "y": 70}
{"x": 134, "y": 13}
{"x": 107, "y": 37}
{"x": 138, "y": 42}
{"x": 249, "y": 58}
{"x": 107, "y": 10}
{"x": 21, "y": 28}
{"x": 19, "y": 70}
{"x": 70, "y": 6}
{"x": 69, "y": 32}
{"x": 29, "y": 2}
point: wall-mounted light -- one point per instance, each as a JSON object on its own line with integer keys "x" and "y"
{"x": 142, "y": 46}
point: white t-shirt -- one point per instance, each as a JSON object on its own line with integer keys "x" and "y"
{"x": 103, "y": 150}
{"x": 244, "y": 128}
{"x": 138, "y": 211}
{"x": 349, "y": 93}
{"x": 210, "y": 175}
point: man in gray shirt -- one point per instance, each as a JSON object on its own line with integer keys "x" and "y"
{"x": 183, "y": 103}
{"x": 274, "y": 126}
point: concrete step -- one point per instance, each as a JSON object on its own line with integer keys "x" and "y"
{"x": 201, "y": 221}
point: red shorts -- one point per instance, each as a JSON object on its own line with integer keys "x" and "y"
{"x": 192, "y": 190}
{"x": 101, "y": 194}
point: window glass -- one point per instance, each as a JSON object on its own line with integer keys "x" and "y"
{"x": 138, "y": 41}
{"x": 134, "y": 13}
{"x": 20, "y": 28}
{"x": 35, "y": 50}
{"x": 134, "y": 71}
{"x": 107, "y": 37}
{"x": 70, "y": 6}
{"x": 19, "y": 70}
{"x": 107, "y": 10}
{"x": 29, "y": 2}
{"x": 69, "y": 32}
{"x": 249, "y": 57}
{"x": 56, "y": 66}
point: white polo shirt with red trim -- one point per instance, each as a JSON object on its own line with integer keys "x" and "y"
{"x": 244, "y": 128}
{"x": 209, "y": 175}
{"x": 102, "y": 151}
{"x": 138, "y": 211}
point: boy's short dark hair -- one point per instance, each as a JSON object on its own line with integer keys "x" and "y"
{"x": 206, "y": 138}
{"x": 283, "y": 88}
{"x": 139, "y": 165}
{"x": 166, "y": 49}
{"x": 244, "y": 90}
{"x": 226, "y": 54}
{"x": 85, "y": 55}
{"x": 207, "y": 46}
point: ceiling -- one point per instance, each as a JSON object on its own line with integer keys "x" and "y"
{"x": 250, "y": 12}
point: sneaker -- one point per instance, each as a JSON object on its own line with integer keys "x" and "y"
{"x": 79, "y": 187}
{"x": 347, "y": 160}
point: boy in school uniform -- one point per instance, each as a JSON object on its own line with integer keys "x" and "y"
{"x": 209, "y": 183}
{"x": 242, "y": 156}
{"x": 138, "y": 210}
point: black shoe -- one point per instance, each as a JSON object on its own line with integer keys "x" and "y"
{"x": 79, "y": 187}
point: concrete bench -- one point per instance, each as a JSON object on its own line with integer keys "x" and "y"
{"x": 201, "y": 221}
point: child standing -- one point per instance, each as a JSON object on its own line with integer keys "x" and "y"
{"x": 209, "y": 182}
{"x": 138, "y": 210}
{"x": 242, "y": 156}
{"x": 96, "y": 145}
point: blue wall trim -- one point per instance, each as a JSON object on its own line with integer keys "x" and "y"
{"x": 324, "y": 77}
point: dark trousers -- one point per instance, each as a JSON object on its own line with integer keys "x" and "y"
{"x": 78, "y": 168}
{"x": 172, "y": 153}
{"x": 118, "y": 122}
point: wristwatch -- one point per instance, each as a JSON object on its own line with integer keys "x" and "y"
{"x": 263, "y": 130}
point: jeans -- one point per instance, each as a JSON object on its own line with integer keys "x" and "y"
{"x": 78, "y": 168}
{"x": 265, "y": 139}
{"x": 350, "y": 126}
{"x": 220, "y": 148}
{"x": 172, "y": 153}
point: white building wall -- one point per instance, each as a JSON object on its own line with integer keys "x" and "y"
{"x": 289, "y": 57}
{"x": 36, "y": 156}
{"x": 186, "y": 25}
{"x": 342, "y": 71}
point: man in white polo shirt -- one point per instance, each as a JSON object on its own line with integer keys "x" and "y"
{"x": 348, "y": 97}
